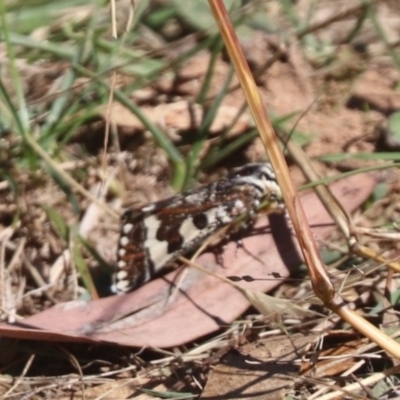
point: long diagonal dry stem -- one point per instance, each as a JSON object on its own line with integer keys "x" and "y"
{"x": 320, "y": 280}
{"x": 339, "y": 215}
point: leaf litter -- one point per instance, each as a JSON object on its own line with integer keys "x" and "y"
{"x": 55, "y": 302}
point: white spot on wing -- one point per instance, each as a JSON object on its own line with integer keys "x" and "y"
{"x": 148, "y": 208}
{"x": 158, "y": 250}
{"x": 238, "y": 204}
{"x": 123, "y": 241}
{"x": 122, "y": 286}
{"x": 222, "y": 215}
{"x": 195, "y": 198}
{"x": 189, "y": 231}
{"x": 127, "y": 228}
{"x": 121, "y": 275}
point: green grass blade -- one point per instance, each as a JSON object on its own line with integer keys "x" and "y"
{"x": 22, "y": 112}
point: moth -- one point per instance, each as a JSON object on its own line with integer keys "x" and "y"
{"x": 154, "y": 236}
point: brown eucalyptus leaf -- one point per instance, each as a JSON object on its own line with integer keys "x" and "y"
{"x": 185, "y": 305}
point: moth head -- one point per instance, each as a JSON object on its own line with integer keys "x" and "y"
{"x": 261, "y": 177}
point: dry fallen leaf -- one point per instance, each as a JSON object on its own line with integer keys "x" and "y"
{"x": 157, "y": 315}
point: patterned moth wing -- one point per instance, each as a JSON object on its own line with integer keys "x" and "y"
{"x": 155, "y": 235}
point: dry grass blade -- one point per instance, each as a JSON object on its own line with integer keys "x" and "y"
{"x": 268, "y": 306}
{"x": 365, "y": 252}
{"x": 19, "y": 381}
{"x": 336, "y": 211}
{"x": 321, "y": 283}
{"x": 360, "y": 385}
